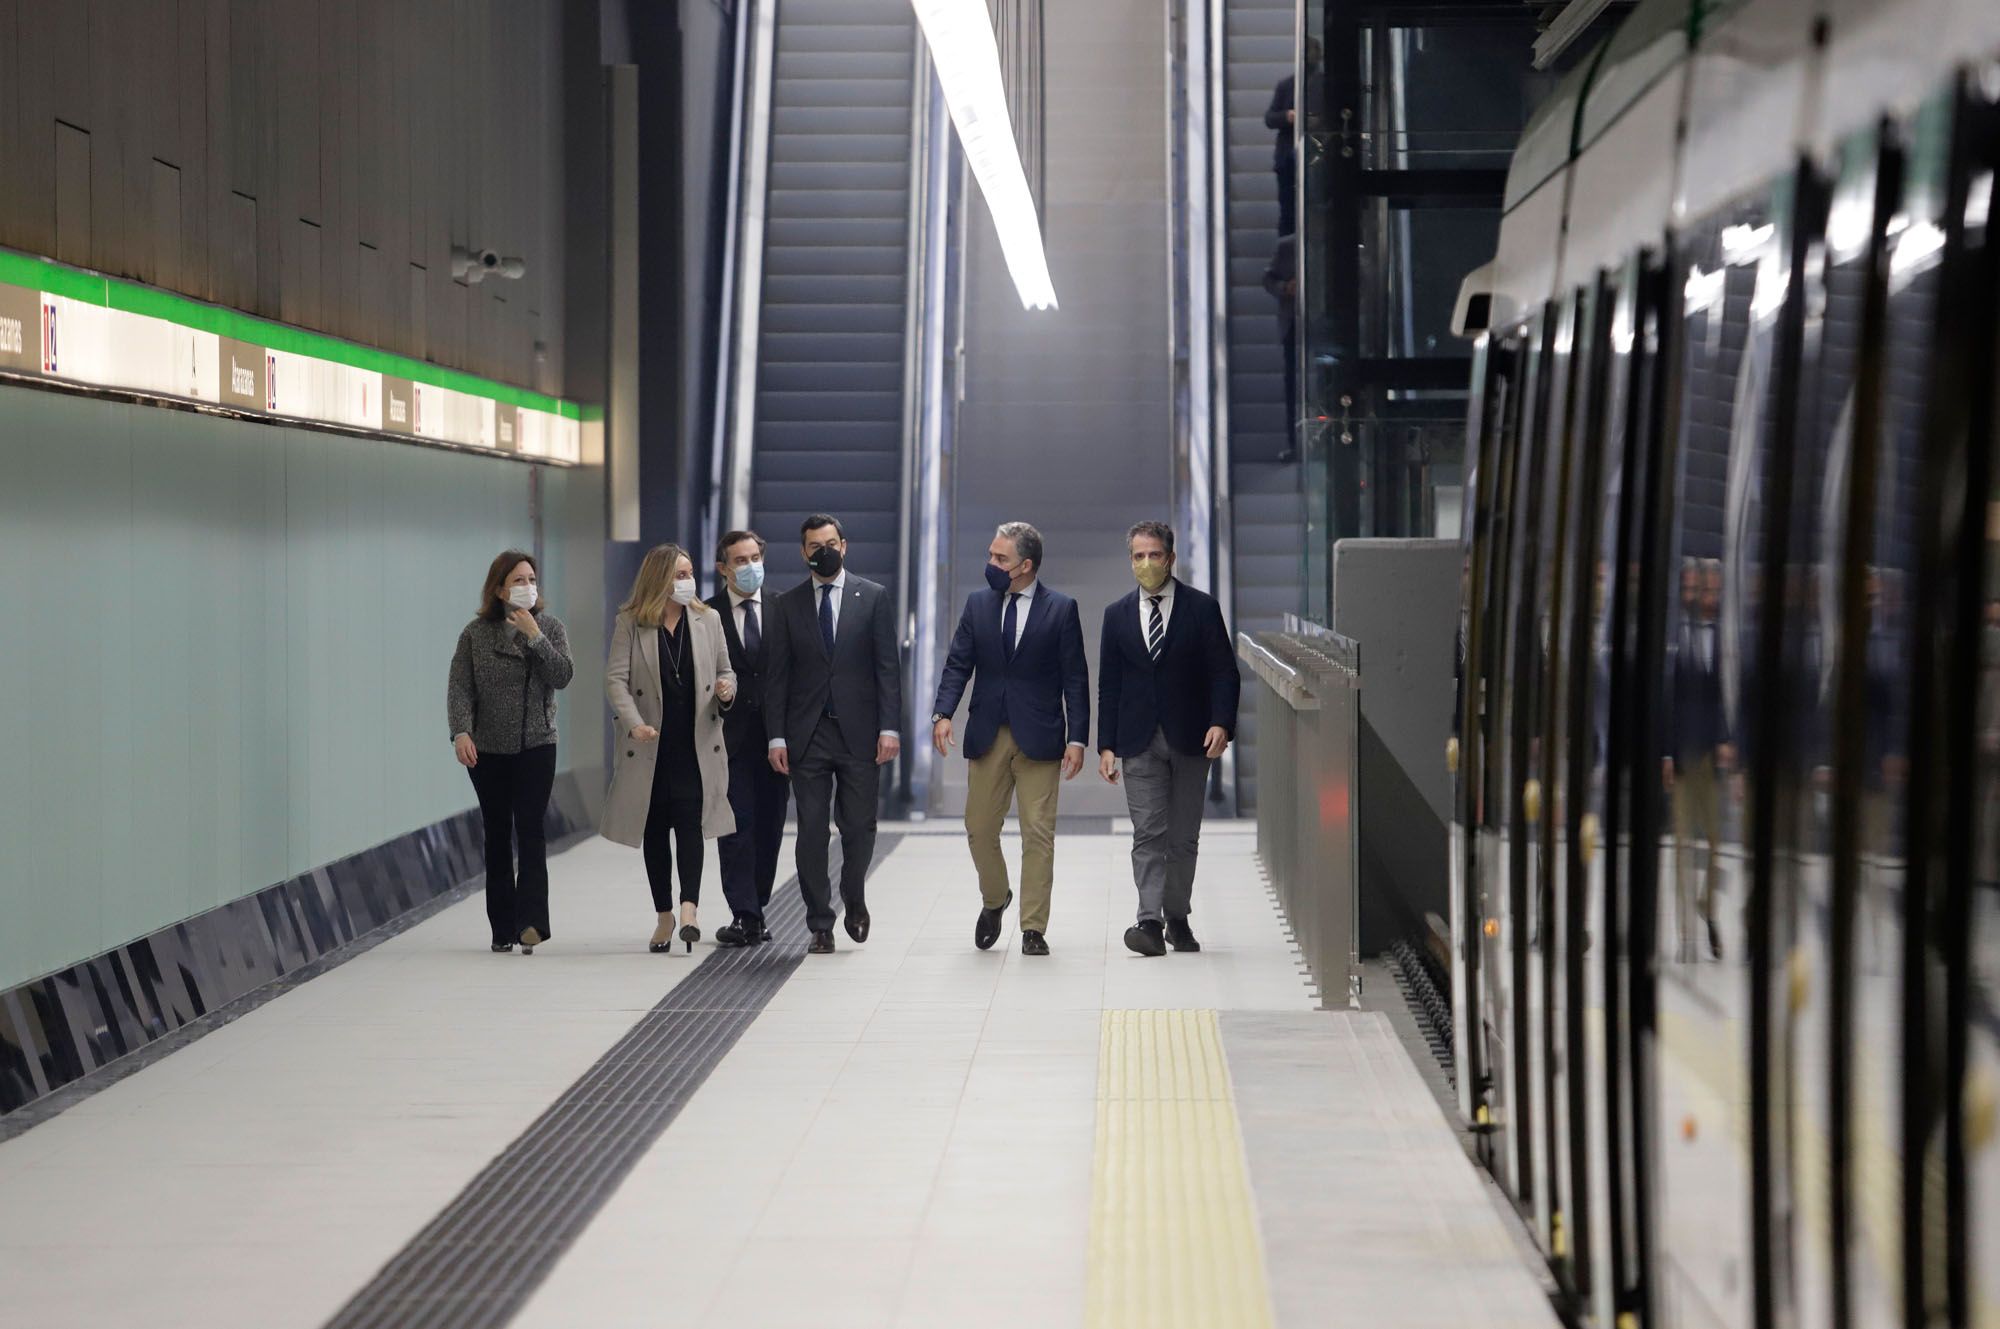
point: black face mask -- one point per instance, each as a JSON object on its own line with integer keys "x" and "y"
{"x": 825, "y": 562}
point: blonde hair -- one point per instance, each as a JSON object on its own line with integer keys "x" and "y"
{"x": 653, "y": 588}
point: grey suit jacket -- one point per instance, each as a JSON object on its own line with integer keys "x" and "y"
{"x": 863, "y": 678}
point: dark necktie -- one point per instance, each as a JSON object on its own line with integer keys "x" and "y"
{"x": 1155, "y": 630}
{"x": 753, "y": 635}
{"x": 826, "y": 616}
{"x": 1007, "y": 626}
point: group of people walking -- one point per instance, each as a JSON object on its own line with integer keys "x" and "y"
{"x": 726, "y": 708}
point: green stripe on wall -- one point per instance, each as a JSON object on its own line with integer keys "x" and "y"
{"x": 134, "y": 298}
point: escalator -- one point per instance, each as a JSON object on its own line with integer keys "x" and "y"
{"x": 1268, "y": 511}
{"x": 828, "y": 432}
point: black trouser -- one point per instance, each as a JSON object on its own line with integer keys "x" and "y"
{"x": 1288, "y": 195}
{"x": 513, "y": 789}
{"x": 673, "y": 839}
{"x": 749, "y": 857}
{"x": 814, "y": 775}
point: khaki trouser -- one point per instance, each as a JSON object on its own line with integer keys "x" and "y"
{"x": 992, "y": 780}
{"x": 1697, "y": 809}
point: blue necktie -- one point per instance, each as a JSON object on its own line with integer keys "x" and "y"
{"x": 753, "y": 635}
{"x": 826, "y": 616}
{"x": 1007, "y": 626}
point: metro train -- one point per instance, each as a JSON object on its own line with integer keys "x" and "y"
{"x": 1725, "y": 864}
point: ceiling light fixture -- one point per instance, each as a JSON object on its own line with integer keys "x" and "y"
{"x": 960, "y": 36}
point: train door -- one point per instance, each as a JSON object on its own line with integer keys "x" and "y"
{"x": 1575, "y": 442}
{"x": 1541, "y": 793}
{"x": 1962, "y": 455}
{"x": 1723, "y": 624}
{"x": 1820, "y": 760}
{"x": 1492, "y": 375}
{"x": 1503, "y": 856}
{"x": 1629, "y": 366}
{"x": 1871, "y": 848}
{"x": 1598, "y": 482}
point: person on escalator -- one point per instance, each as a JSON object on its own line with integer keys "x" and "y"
{"x": 1281, "y": 280}
{"x": 1282, "y": 115}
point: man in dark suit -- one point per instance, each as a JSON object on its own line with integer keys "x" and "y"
{"x": 1021, "y": 643}
{"x": 833, "y": 697}
{"x": 1167, "y": 690}
{"x": 757, "y": 793}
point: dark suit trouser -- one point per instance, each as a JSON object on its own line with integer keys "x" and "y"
{"x": 749, "y": 857}
{"x": 829, "y": 784}
{"x": 513, "y": 790}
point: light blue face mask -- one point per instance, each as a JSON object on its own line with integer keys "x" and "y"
{"x": 749, "y": 578}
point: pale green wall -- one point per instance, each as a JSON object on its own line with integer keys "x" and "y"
{"x": 225, "y": 650}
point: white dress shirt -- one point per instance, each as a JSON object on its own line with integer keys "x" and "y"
{"x": 1166, "y": 594}
{"x": 736, "y": 602}
{"x": 1027, "y": 594}
{"x": 839, "y": 584}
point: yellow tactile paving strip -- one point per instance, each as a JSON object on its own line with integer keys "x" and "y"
{"x": 1173, "y": 1234}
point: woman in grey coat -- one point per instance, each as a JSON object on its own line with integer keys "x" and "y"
{"x": 668, "y": 680}
{"x": 511, "y": 661}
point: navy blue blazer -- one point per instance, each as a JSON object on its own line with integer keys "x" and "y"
{"x": 1193, "y": 688}
{"x": 1042, "y": 694}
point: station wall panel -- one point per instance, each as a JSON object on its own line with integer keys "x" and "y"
{"x": 226, "y": 650}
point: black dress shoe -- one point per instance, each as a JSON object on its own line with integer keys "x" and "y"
{"x": 736, "y": 933}
{"x": 821, "y": 944}
{"x": 502, "y": 947}
{"x": 855, "y": 920}
{"x": 1033, "y": 943}
{"x": 987, "y": 930}
{"x": 1181, "y": 935}
{"x": 1146, "y": 938}
{"x": 763, "y": 930}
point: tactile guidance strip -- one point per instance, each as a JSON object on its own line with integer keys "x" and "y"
{"x": 1173, "y": 1233}
{"x": 476, "y": 1264}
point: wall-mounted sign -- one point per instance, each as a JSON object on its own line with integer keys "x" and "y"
{"x": 399, "y": 407}
{"x": 63, "y": 323}
{"x": 506, "y": 427}
{"x": 20, "y": 329}
{"x": 240, "y": 373}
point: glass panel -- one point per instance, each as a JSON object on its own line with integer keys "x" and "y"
{"x": 1734, "y": 287}
{"x": 1440, "y": 98}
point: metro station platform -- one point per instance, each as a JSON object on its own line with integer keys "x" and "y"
{"x": 906, "y": 1133}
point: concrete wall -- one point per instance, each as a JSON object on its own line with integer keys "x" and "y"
{"x": 1067, "y": 420}
{"x": 311, "y": 161}
{"x": 227, "y": 653}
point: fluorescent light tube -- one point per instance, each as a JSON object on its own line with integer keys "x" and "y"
{"x": 960, "y": 36}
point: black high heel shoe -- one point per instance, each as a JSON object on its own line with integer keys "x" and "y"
{"x": 690, "y": 934}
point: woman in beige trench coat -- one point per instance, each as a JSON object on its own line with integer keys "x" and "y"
{"x": 668, "y": 680}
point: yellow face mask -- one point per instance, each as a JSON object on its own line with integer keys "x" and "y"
{"x": 1151, "y": 575}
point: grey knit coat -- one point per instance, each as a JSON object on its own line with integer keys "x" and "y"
{"x": 503, "y": 688}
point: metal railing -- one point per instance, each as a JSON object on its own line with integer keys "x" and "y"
{"x": 1308, "y": 808}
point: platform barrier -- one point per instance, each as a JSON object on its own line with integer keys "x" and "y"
{"x": 1308, "y": 718}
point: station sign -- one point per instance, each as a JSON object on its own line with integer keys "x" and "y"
{"x": 67, "y": 325}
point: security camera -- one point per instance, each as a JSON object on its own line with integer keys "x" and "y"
{"x": 473, "y": 266}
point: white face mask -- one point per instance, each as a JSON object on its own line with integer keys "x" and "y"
{"x": 684, "y": 591}
{"x": 521, "y": 597}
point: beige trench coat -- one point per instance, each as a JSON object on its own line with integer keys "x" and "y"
{"x": 632, "y": 685}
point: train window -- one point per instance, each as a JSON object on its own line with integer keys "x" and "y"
{"x": 1978, "y": 1301}
{"x": 1727, "y": 478}
{"x": 1819, "y": 767}
{"x": 1886, "y": 529}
